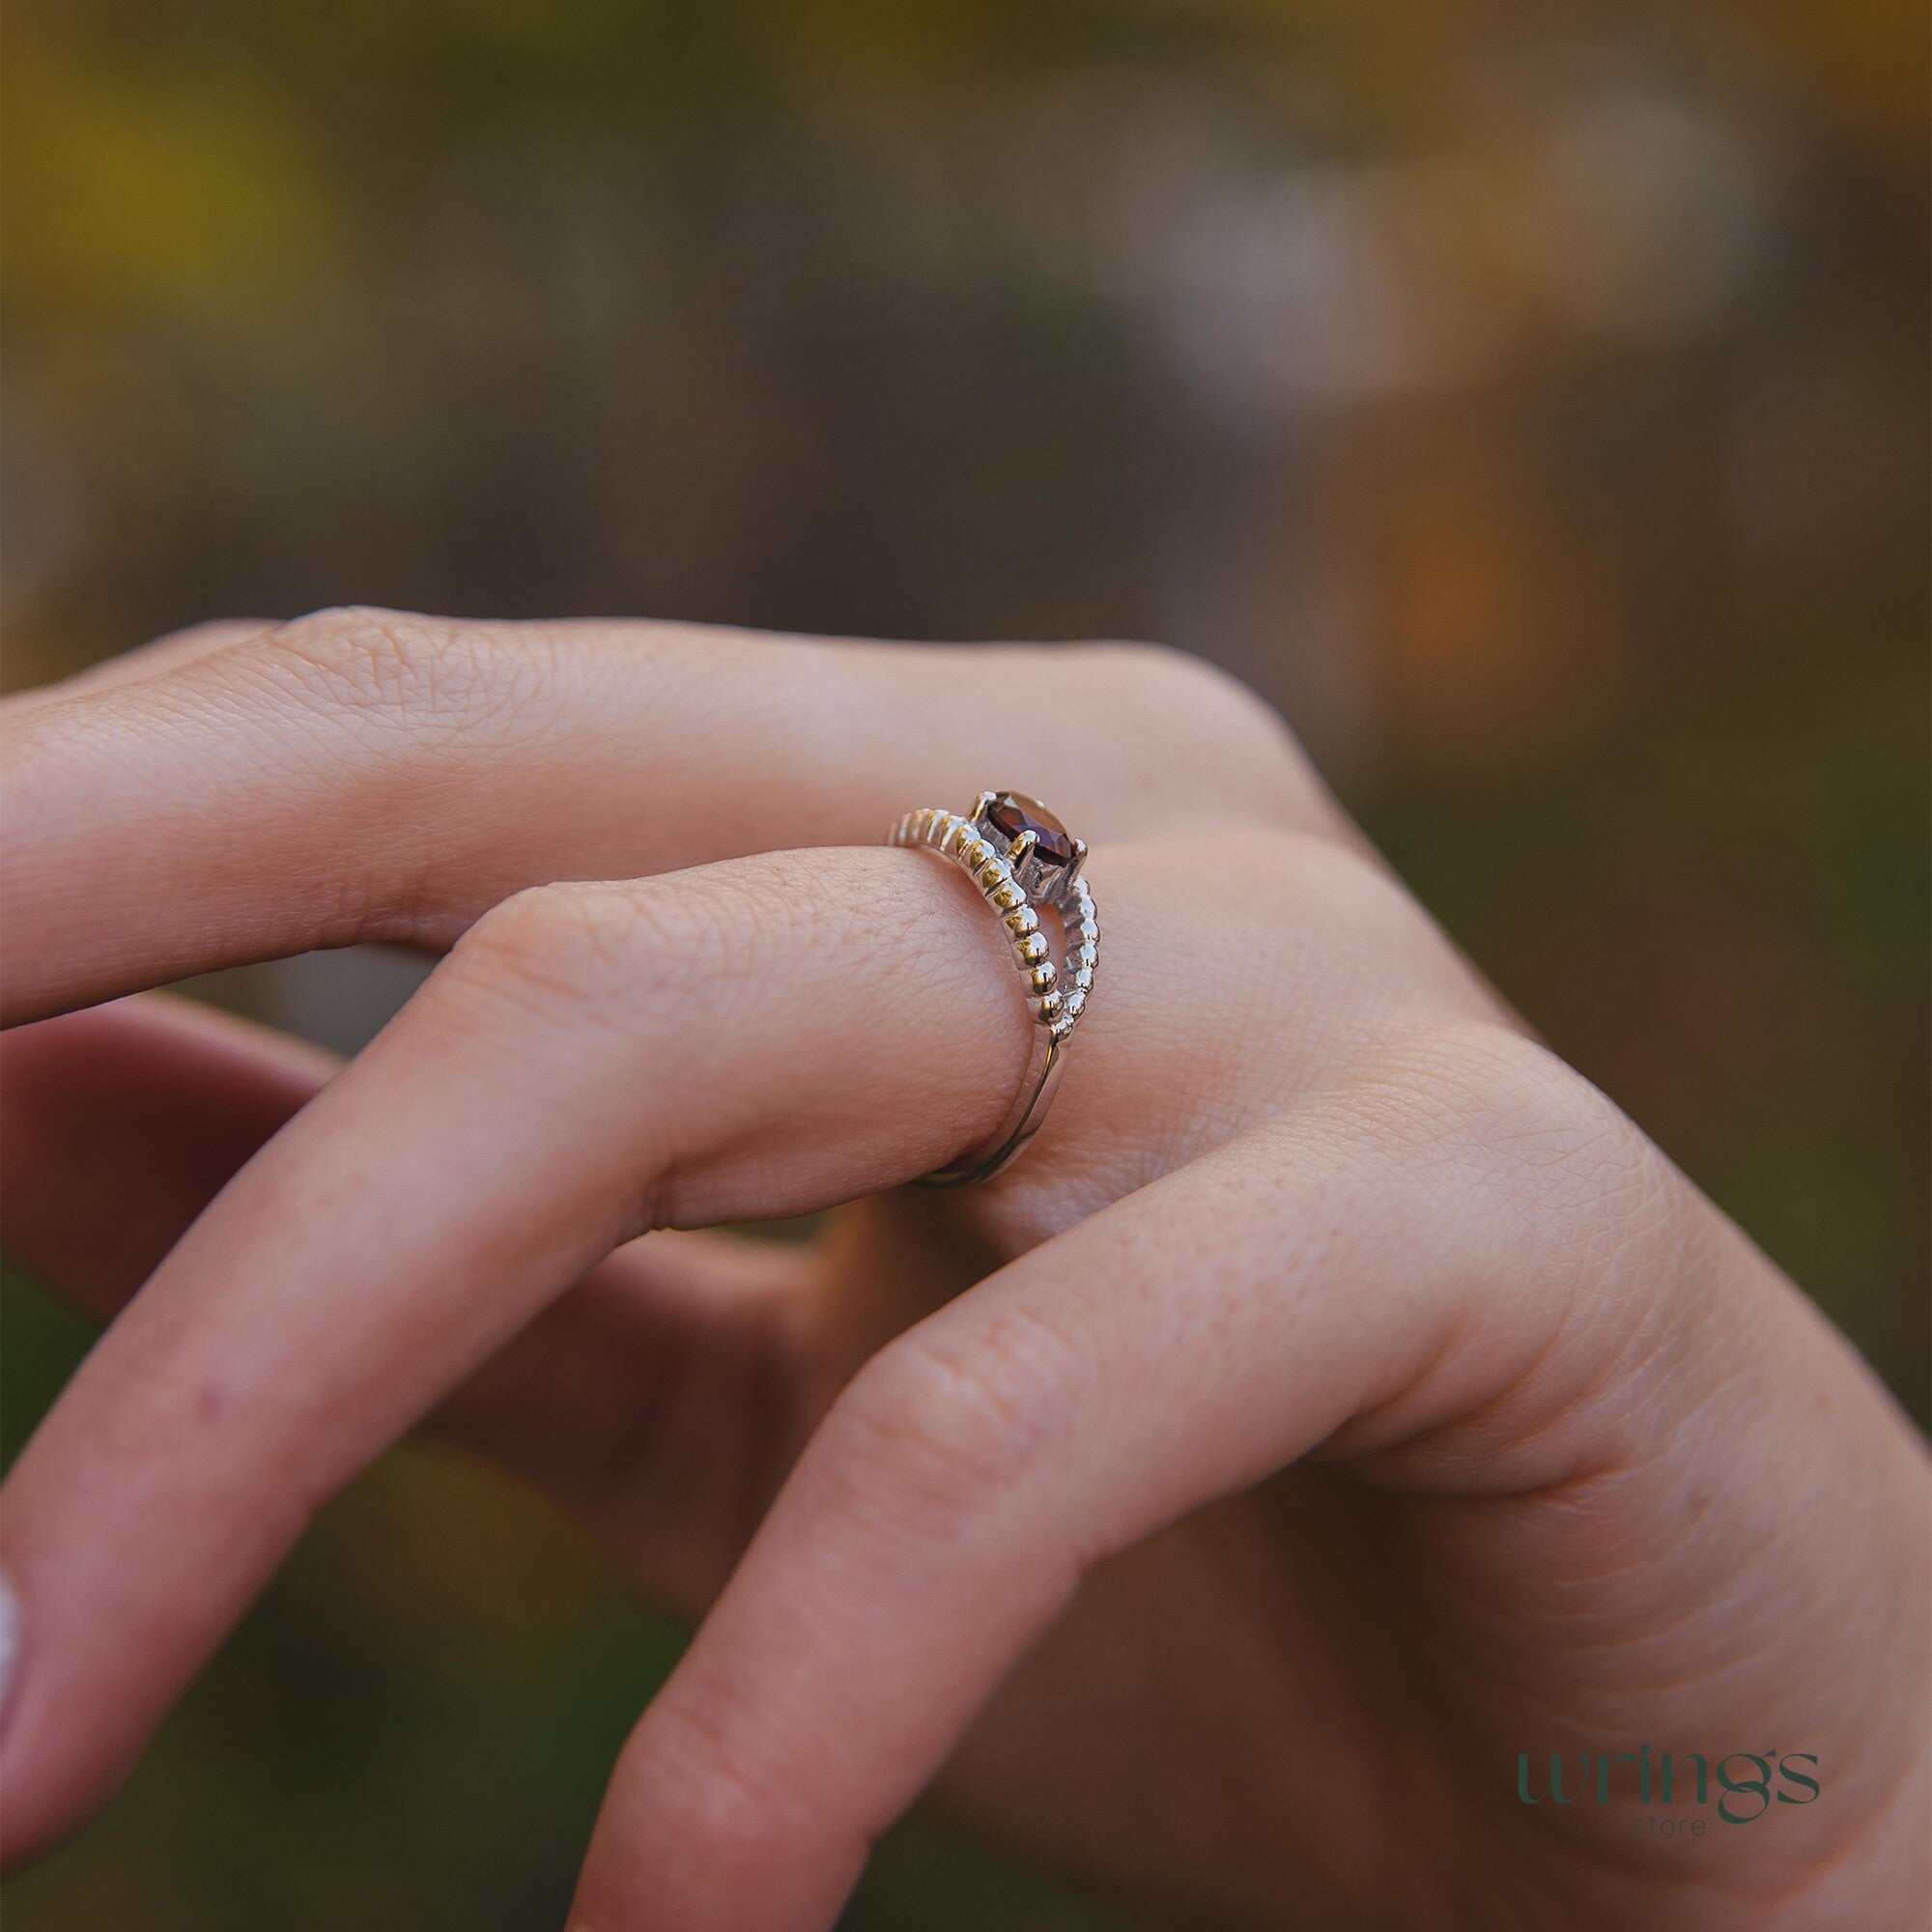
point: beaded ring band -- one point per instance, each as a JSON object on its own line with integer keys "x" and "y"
{"x": 1023, "y": 860}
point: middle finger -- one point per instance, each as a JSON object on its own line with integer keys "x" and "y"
{"x": 370, "y": 774}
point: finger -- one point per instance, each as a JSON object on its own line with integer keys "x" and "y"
{"x": 751, "y": 1039}
{"x": 364, "y": 775}
{"x": 651, "y": 1400}
{"x": 1177, "y": 1347}
{"x": 594, "y": 1061}
{"x": 145, "y": 661}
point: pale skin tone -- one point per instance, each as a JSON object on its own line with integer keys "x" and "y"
{"x": 1340, "y": 1397}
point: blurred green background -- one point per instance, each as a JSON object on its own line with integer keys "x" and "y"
{"x": 1530, "y": 400}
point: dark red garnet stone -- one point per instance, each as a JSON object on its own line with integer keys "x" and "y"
{"x": 1012, "y": 812}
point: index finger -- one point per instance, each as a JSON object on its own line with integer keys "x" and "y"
{"x": 365, "y": 775}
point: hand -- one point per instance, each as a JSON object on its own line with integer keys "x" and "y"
{"x": 1339, "y": 1399}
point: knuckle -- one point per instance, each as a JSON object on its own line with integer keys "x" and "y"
{"x": 566, "y": 938}
{"x": 397, "y": 668}
{"x": 1515, "y": 1108}
{"x": 939, "y": 1424}
{"x": 715, "y": 1799}
{"x": 670, "y": 951}
{"x": 1188, "y": 688}
{"x": 1362, "y": 913}
{"x": 1504, "y": 1074}
{"x": 1340, "y": 887}
{"x": 1385, "y": 968}
{"x": 1575, "y": 1224}
{"x": 210, "y": 634}
{"x": 1219, "y": 723}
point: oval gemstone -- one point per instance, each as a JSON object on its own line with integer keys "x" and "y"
{"x": 1012, "y": 812}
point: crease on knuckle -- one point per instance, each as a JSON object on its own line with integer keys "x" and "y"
{"x": 1601, "y": 1204}
{"x": 640, "y": 948}
{"x": 940, "y": 1426}
{"x": 1572, "y": 1202}
{"x": 561, "y": 942}
{"x": 1492, "y": 1100}
{"x": 397, "y": 673}
{"x": 713, "y": 1792}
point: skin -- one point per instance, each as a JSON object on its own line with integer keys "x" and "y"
{"x": 1340, "y": 1397}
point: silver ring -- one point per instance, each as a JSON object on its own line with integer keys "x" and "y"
{"x": 1023, "y": 860}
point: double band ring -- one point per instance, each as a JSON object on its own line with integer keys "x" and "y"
{"x": 1024, "y": 861}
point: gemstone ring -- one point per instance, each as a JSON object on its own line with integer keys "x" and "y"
{"x": 1024, "y": 861}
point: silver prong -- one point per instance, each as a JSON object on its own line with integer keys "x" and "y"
{"x": 1017, "y": 851}
{"x": 980, "y": 802}
{"x": 1079, "y": 853}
